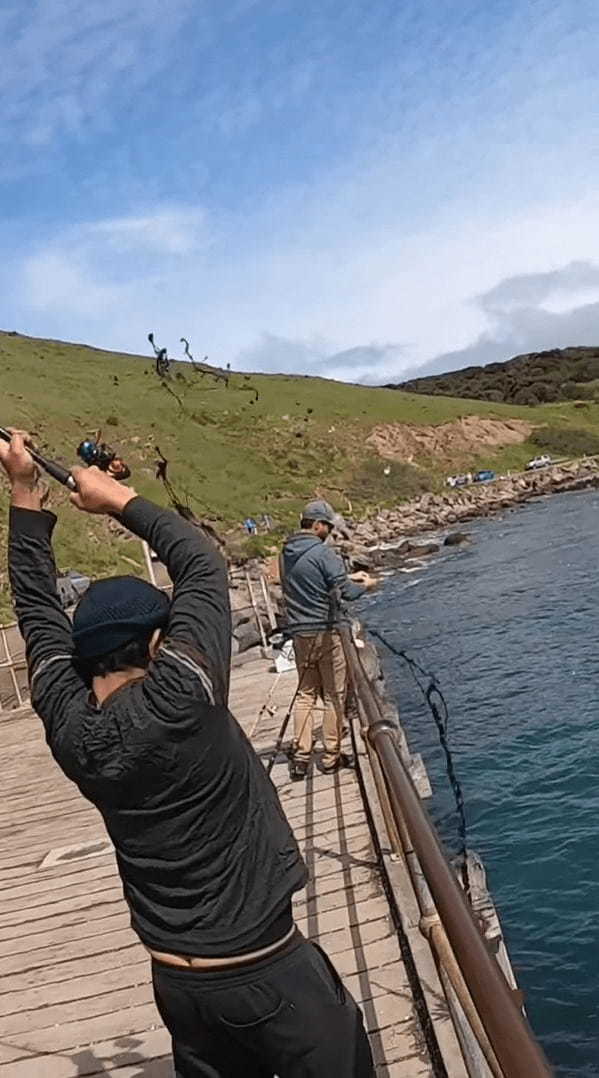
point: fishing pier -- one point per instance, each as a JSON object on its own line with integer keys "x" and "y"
{"x": 426, "y": 962}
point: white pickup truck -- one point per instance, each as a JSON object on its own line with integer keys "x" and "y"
{"x": 539, "y": 462}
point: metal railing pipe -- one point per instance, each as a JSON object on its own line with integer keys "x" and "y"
{"x": 518, "y": 1053}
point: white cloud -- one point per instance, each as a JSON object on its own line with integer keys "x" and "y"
{"x": 176, "y": 231}
{"x": 67, "y": 57}
{"x": 59, "y": 283}
{"x": 317, "y": 357}
{"x": 101, "y": 272}
{"x": 529, "y": 313}
{"x": 315, "y": 298}
{"x": 557, "y": 286}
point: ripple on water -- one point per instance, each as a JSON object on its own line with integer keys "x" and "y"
{"x": 509, "y": 625}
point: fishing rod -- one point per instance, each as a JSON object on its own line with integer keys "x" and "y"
{"x": 89, "y": 451}
{"x": 94, "y": 452}
{"x": 62, "y": 475}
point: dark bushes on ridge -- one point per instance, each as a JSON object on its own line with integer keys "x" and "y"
{"x": 535, "y": 378}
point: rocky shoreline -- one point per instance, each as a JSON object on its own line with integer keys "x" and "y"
{"x": 383, "y": 541}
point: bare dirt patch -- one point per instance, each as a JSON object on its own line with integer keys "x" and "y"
{"x": 402, "y": 441}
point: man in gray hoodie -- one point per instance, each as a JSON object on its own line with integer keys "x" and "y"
{"x": 313, "y": 578}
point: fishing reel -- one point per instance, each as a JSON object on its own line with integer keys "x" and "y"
{"x": 100, "y": 455}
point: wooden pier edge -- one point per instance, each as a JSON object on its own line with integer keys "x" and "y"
{"x": 429, "y": 994}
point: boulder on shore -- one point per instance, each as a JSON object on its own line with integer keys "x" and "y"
{"x": 455, "y": 538}
{"x": 247, "y": 636}
{"x": 422, "y": 550}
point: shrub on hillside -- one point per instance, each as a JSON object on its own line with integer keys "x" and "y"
{"x": 260, "y": 546}
{"x": 526, "y": 396}
{"x": 369, "y": 484}
{"x": 574, "y": 391}
{"x": 566, "y": 442}
{"x": 587, "y": 391}
{"x": 588, "y": 369}
{"x": 546, "y": 392}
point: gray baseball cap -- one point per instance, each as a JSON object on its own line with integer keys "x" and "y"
{"x": 320, "y": 510}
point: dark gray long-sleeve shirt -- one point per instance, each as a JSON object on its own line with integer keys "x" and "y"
{"x": 207, "y": 859}
{"x": 312, "y": 574}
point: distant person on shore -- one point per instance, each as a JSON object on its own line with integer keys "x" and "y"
{"x": 133, "y": 698}
{"x": 312, "y": 577}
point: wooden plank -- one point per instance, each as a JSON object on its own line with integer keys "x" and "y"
{"x": 46, "y": 887}
{"x": 33, "y": 867}
{"x": 336, "y": 898}
{"x": 59, "y": 953}
{"x": 29, "y": 930}
{"x": 335, "y": 920}
{"x": 79, "y": 987}
{"x": 65, "y": 971}
{"x": 86, "y": 929}
{"x": 61, "y": 1013}
{"x": 69, "y": 1035}
{"x": 75, "y": 900}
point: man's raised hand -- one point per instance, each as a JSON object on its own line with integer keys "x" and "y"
{"x": 364, "y": 579}
{"x": 97, "y": 492}
{"x": 19, "y": 465}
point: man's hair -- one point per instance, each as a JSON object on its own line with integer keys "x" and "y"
{"x": 135, "y": 654}
{"x": 307, "y": 522}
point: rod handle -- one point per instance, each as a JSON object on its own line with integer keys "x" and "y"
{"x": 62, "y": 475}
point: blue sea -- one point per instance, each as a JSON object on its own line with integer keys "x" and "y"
{"x": 510, "y": 626}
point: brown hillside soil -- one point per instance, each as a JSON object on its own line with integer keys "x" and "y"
{"x": 471, "y": 434}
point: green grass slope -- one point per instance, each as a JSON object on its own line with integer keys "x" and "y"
{"x": 228, "y": 457}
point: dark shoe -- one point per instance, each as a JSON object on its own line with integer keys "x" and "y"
{"x": 343, "y": 760}
{"x": 298, "y": 769}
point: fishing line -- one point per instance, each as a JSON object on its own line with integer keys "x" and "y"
{"x": 437, "y": 704}
{"x": 289, "y": 712}
{"x": 181, "y": 507}
{"x": 266, "y": 706}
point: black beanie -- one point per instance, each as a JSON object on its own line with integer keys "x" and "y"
{"x": 114, "y": 611}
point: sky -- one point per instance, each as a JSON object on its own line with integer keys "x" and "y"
{"x": 356, "y": 190}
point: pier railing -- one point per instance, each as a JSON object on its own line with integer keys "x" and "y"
{"x": 14, "y": 688}
{"x": 488, "y": 1002}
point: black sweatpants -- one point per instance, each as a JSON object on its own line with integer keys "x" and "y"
{"x": 286, "y": 1015}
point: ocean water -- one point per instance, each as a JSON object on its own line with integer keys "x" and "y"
{"x": 510, "y": 626}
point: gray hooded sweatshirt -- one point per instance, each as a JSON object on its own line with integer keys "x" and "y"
{"x": 312, "y": 574}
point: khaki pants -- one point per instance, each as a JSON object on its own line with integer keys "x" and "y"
{"x": 322, "y": 673}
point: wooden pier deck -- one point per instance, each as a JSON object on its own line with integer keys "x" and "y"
{"x": 75, "y": 992}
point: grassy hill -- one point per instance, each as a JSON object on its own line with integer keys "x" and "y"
{"x": 230, "y": 457}
{"x": 536, "y": 378}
